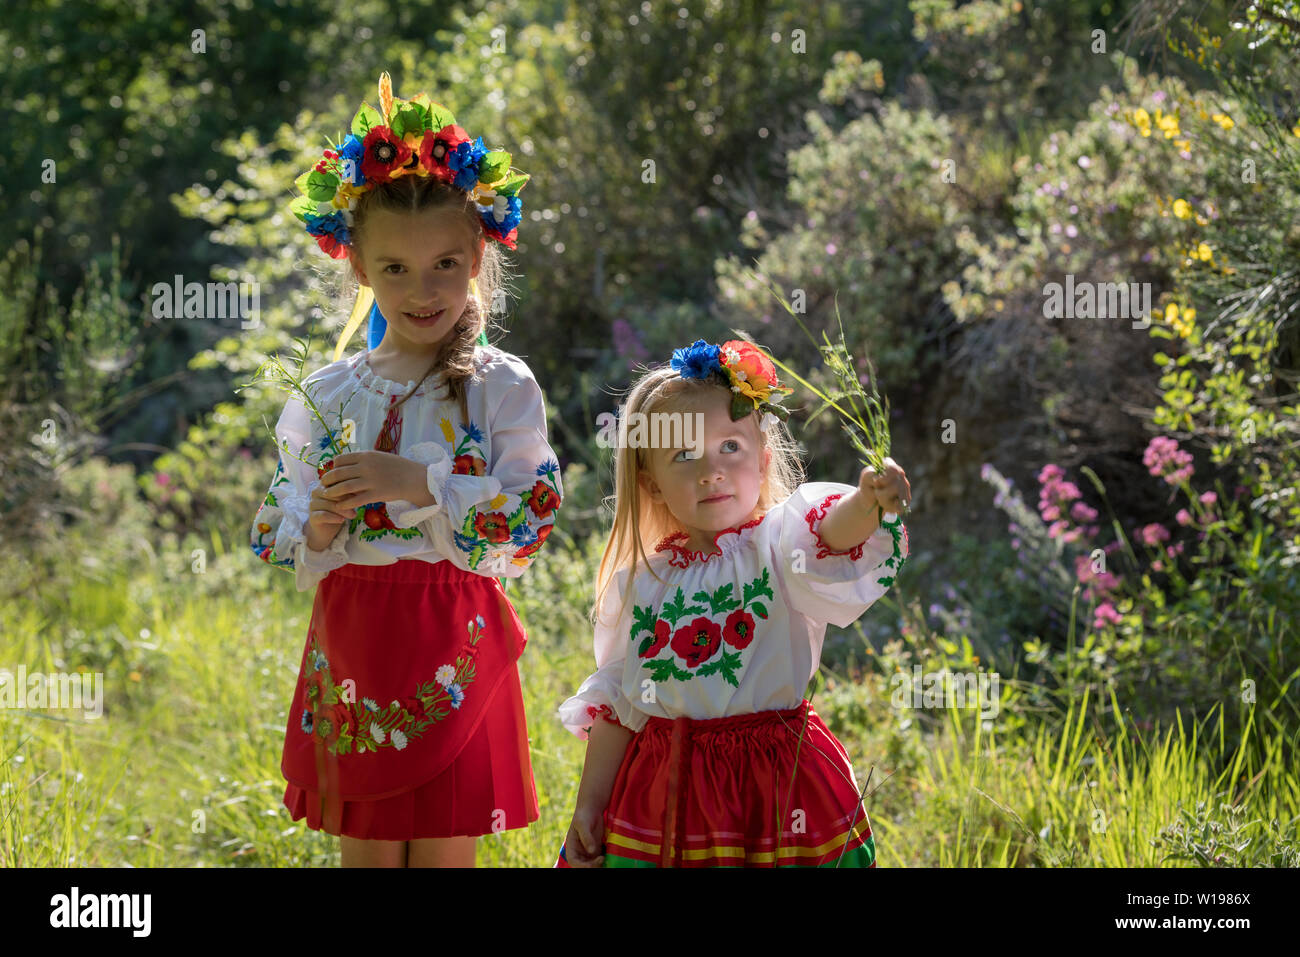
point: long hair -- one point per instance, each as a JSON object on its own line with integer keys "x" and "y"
{"x": 413, "y": 194}
{"x": 637, "y": 519}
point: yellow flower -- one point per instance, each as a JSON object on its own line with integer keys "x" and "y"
{"x": 1189, "y": 314}
{"x": 1169, "y": 123}
{"x": 1204, "y": 252}
{"x": 498, "y": 501}
{"x": 1171, "y": 312}
{"x": 1182, "y": 209}
{"x": 1184, "y": 145}
{"x": 1224, "y": 120}
{"x": 448, "y": 432}
{"x": 1296, "y": 129}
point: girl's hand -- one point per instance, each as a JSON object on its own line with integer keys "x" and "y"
{"x": 324, "y": 520}
{"x": 584, "y": 846}
{"x": 890, "y": 489}
{"x": 359, "y": 478}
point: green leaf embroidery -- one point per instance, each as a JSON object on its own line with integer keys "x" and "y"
{"x": 720, "y": 601}
{"x": 727, "y": 666}
{"x": 661, "y": 669}
{"x": 759, "y": 587}
{"x": 759, "y": 609}
{"x": 676, "y": 609}
{"x": 643, "y": 619}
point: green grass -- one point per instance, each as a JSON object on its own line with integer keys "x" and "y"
{"x": 183, "y": 768}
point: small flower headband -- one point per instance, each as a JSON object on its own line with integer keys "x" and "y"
{"x": 402, "y": 137}
{"x": 741, "y": 367}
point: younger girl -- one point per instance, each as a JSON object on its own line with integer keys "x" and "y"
{"x": 702, "y": 750}
{"x": 430, "y": 475}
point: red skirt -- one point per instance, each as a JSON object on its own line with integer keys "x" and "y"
{"x": 407, "y": 720}
{"x": 769, "y": 789}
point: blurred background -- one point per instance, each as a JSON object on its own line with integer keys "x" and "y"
{"x": 1105, "y": 514}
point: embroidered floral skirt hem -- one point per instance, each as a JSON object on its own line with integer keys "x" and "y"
{"x": 730, "y": 792}
{"x": 407, "y": 721}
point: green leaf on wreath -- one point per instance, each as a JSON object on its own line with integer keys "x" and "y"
{"x": 493, "y": 166}
{"x": 512, "y": 185}
{"x": 321, "y": 187}
{"x": 366, "y": 120}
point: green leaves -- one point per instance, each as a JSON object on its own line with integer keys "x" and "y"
{"x": 493, "y": 166}
{"x": 412, "y": 118}
{"x": 643, "y": 619}
{"x": 365, "y": 121}
{"x": 720, "y": 601}
{"x": 727, "y": 666}
{"x": 678, "y": 609}
{"x": 512, "y": 185}
{"x": 759, "y": 587}
{"x": 321, "y": 187}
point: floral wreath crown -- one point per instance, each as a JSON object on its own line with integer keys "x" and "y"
{"x": 741, "y": 367}
{"x": 403, "y": 137}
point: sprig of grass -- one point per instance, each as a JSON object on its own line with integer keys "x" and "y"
{"x": 293, "y": 383}
{"x": 866, "y": 418}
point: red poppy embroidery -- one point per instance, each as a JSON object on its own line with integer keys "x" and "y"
{"x": 531, "y": 549}
{"x": 663, "y": 631}
{"x": 492, "y": 526}
{"x": 739, "y": 629}
{"x": 543, "y": 500}
{"x": 468, "y": 465}
{"x": 814, "y": 519}
{"x": 697, "y": 642}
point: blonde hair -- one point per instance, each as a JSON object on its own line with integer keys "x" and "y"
{"x": 414, "y": 194}
{"x": 637, "y": 519}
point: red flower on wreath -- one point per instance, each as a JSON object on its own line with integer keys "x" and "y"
{"x": 697, "y": 642}
{"x": 414, "y": 706}
{"x": 543, "y": 501}
{"x": 492, "y": 526}
{"x": 739, "y": 629}
{"x": 435, "y": 147}
{"x": 314, "y": 691}
{"x": 382, "y": 155}
{"x": 541, "y": 537}
{"x": 468, "y": 465}
{"x": 663, "y": 631}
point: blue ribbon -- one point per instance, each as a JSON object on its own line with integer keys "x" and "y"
{"x": 375, "y": 330}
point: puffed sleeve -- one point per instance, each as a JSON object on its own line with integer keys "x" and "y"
{"x": 601, "y": 696}
{"x": 278, "y": 535}
{"x": 497, "y": 512}
{"x": 825, "y": 585}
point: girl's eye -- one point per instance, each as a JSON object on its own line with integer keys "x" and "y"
{"x": 393, "y": 266}
{"x": 452, "y": 261}
{"x": 686, "y": 452}
{"x": 732, "y": 442}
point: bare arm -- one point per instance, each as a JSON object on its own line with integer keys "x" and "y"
{"x": 606, "y": 746}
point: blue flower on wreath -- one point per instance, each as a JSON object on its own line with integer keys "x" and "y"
{"x": 318, "y": 661}
{"x": 464, "y": 160}
{"x": 332, "y": 225}
{"x": 351, "y": 149}
{"x": 514, "y": 213}
{"x": 697, "y": 361}
{"x": 548, "y": 467}
{"x": 472, "y": 430}
{"x": 306, "y": 721}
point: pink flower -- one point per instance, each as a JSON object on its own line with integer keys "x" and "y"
{"x": 1105, "y": 613}
{"x": 1183, "y": 517}
{"x": 1057, "y": 529}
{"x": 1209, "y": 498}
{"x": 1157, "y": 566}
{"x": 1050, "y": 473}
{"x": 1051, "y": 513}
{"x": 1154, "y": 534}
{"x": 1082, "y": 512}
{"x": 163, "y": 478}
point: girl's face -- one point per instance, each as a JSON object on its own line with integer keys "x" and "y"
{"x": 718, "y": 488}
{"x": 419, "y": 266}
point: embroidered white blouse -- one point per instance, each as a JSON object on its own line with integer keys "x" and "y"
{"x": 735, "y": 632}
{"x": 495, "y": 479}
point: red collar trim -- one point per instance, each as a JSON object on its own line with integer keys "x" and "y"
{"x": 683, "y": 556}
